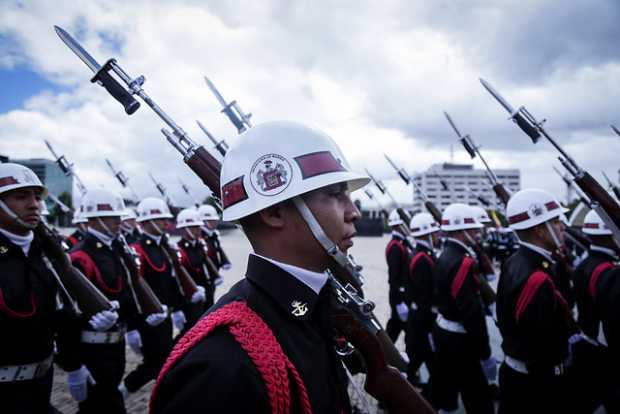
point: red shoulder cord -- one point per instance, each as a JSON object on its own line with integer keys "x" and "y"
{"x": 258, "y": 341}
{"x": 595, "y": 276}
{"x": 91, "y": 269}
{"x": 145, "y": 257}
{"x": 4, "y": 307}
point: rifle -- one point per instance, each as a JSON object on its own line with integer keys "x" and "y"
{"x": 232, "y": 110}
{"x": 613, "y": 187}
{"x": 221, "y": 146}
{"x": 186, "y": 282}
{"x": 472, "y": 149}
{"x": 186, "y": 191}
{"x": 123, "y": 179}
{"x": 66, "y": 167}
{"x": 63, "y": 207}
{"x": 162, "y": 190}
{"x": 569, "y": 183}
{"x": 606, "y": 207}
{"x": 208, "y": 169}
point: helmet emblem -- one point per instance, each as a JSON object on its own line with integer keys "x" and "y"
{"x": 299, "y": 309}
{"x": 270, "y": 174}
{"x": 536, "y": 210}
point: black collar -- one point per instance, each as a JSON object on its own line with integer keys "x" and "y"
{"x": 538, "y": 259}
{"x": 295, "y": 298}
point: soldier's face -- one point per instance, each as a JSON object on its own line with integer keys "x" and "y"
{"x": 193, "y": 232}
{"x": 111, "y": 225}
{"x": 211, "y": 224}
{"x": 334, "y": 210}
{"x": 26, "y": 203}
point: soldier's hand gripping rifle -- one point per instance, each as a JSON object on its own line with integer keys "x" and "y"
{"x": 221, "y": 146}
{"x": 473, "y": 150}
{"x": 607, "y": 208}
{"x": 233, "y": 111}
{"x": 613, "y": 186}
{"x": 346, "y": 271}
{"x": 66, "y": 167}
{"x": 123, "y": 179}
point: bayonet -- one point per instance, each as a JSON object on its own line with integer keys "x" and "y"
{"x": 66, "y": 167}
{"x": 221, "y": 145}
{"x": 232, "y": 110}
{"x": 122, "y": 178}
{"x": 615, "y": 129}
{"x": 63, "y": 207}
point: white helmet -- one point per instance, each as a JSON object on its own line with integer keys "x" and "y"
{"x": 208, "y": 212}
{"x": 531, "y": 207}
{"x": 277, "y": 161}
{"x": 188, "y": 217}
{"x": 152, "y": 208}
{"x": 394, "y": 219}
{"x": 594, "y": 225}
{"x": 99, "y": 202}
{"x": 423, "y": 224}
{"x": 459, "y": 216}
{"x": 77, "y": 217}
{"x": 14, "y": 176}
{"x": 129, "y": 214}
{"x": 481, "y": 213}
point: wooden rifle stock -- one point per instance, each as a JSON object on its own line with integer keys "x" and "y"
{"x": 206, "y": 167}
{"x": 211, "y": 267}
{"x": 485, "y": 265}
{"x": 187, "y": 283}
{"x": 578, "y": 236}
{"x": 597, "y": 193}
{"x": 148, "y": 302}
{"x": 89, "y": 299}
{"x": 434, "y": 211}
{"x": 501, "y": 193}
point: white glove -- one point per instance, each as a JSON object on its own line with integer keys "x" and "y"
{"x": 134, "y": 340}
{"x": 403, "y": 311}
{"x": 155, "y": 319}
{"x": 199, "y": 295}
{"x": 77, "y": 382}
{"x": 491, "y": 310}
{"x": 115, "y": 304}
{"x": 218, "y": 281}
{"x": 431, "y": 342}
{"x": 226, "y": 266}
{"x": 104, "y": 320}
{"x": 489, "y": 367}
{"x": 178, "y": 319}
{"x": 490, "y": 277}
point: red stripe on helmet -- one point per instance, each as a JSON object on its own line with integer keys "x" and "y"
{"x": 552, "y": 205}
{"x": 518, "y": 218}
{"x": 234, "y": 192}
{"x": 4, "y": 181}
{"x": 318, "y": 163}
{"x": 590, "y": 226}
{"x": 468, "y": 220}
{"x": 155, "y": 211}
{"x": 104, "y": 207}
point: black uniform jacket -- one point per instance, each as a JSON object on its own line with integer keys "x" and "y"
{"x": 217, "y": 376}
{"x": 421, "y": 281}
{"x": 30, "y": 316}
{"x": 158, "y": 272}
{"x": 216, "y": 253}
{"x": 74, "y": 238}
{"x": 398, "y": 262}
{"x": 532, "y": 315}
{"x": 193, "y": 258}
{"x": 457, "y": 294}
{"x": 132, "y": 236}
{"x": 586, "y": 289}
{"x": 102, "y": 266}
{"x": 608, "y": 307}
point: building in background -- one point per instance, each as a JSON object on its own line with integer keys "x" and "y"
{"x": 464, "y": 184}
{"x": 50, "y": 174}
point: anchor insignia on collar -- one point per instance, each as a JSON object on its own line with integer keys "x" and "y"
{"x": 299, "y": 309}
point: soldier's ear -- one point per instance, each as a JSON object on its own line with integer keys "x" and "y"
{"x": 272, "y": 216}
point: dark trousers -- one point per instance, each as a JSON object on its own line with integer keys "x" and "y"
{"x": 591, "y": 378}
{"x": 27, "y": 397}
{"x": 458, "y": 370}
{"x": 529, "y": 393}
{"x": 394, "y": 325}
{"x": 106, "y": 363}
{"x": 156, "y": 346}
{"x": 418, "y": 348}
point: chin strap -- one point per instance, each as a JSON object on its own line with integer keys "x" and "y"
{"x": 15, "y": 217}
{"x": 189, "y": 234}
{"x": 554, "y": 236}
{"x": 330, "y": 247}
{"x": 106, "y": 229}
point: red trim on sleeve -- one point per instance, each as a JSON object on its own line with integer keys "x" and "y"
{"x": 534, "y": 282}
{"x": 598, "y": 270}
{"x": 4, "y": 307}
{"x": 91, "y": 269}
{"x": 398, "y": 244}
{"x": 461, "y": 274}
{"x": 72, "y": 240}
{"x": 416, "y": 259}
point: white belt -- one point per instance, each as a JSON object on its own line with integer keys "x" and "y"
{"x": 414, "y": 306}
{"x": 521, "y": 367}
{"x": 12, "y": 373}
{"x": 92, "y": 337}
{"x": 450, "y": 326}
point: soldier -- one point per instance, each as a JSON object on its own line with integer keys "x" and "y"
{"x": 194, "y": 258}
{"x": 397, "y": 257}
{"x": 422, "y": 317}
{"x": 464, "y": 363}
{"x": 532, "y": 314}
{"x": 103, "y": 353}
{"x": 209, "y": 231}
{"x": 285, "y": 183}
{"x": 31, "y": 313}
{"x": 129, "y": 227}
{"x": 80, "y": 229}
{"x": 154, "y": 342}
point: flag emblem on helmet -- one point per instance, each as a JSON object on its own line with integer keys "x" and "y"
{"x": 270, "y": 174}
{"x": 536, "y": 210}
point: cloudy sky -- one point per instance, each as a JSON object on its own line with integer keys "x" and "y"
{"x": 374, "y": 75}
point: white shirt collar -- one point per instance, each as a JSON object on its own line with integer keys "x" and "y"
{"x": 22, "y": 241}
{"x": 397, "y": 235}
{"x": 544, "y": 252}
{"x": 102, "y": 237}
{"x": 604, "y": 250}
{"x": 209, "y": 231}
{"x": 314, "y": 280}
